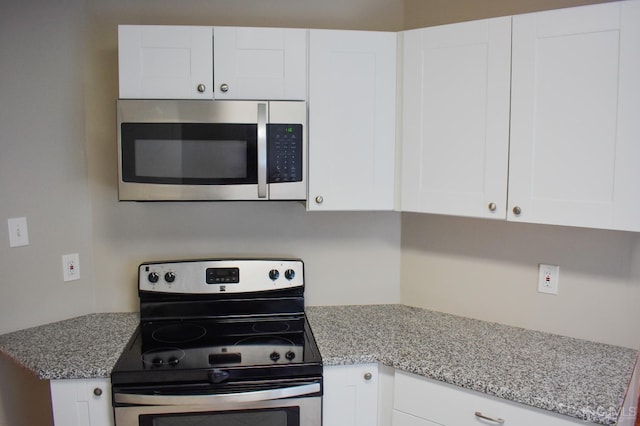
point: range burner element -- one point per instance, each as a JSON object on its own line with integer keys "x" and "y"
{"x": 271, "y": 327}
{"x": 179, "y": 333}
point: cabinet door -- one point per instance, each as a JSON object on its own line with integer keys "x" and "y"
{"x": 352, "y": 108}
{"x": 455, "y": 131}
{"x": 350, "y": 395}
{"x": 574, "y": 124}
{"x": 165, "y": 62}
{"x": 84, "y": 402}
{"x": 260, "y": 63}
{"x": 447, "y": 405}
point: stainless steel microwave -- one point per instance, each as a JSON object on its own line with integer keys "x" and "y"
{"x": 183, "y": 150}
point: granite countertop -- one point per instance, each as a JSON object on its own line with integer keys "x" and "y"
{"x": 578, "y": 378}
{"x": 79, "y": 348}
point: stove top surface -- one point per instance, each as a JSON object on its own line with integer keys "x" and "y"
{"x": 217, "y": 350}
{"x": 219, "y": 321}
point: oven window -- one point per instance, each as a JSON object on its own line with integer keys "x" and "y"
{"x": 189, "y": 153}
{"x": 282, "y": 416}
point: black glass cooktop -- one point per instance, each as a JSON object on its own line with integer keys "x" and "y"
{"x": 219, "y": 351}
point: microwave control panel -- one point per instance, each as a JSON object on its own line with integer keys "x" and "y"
{"x": 284, "y": 153}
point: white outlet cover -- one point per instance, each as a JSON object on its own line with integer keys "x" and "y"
{"x": 548, "y": 276}
{"x": 71, "y": 267}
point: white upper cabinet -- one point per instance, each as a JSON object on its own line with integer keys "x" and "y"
{"x": 188, "y": 62}
{"x": 575, "y": 127}
{"x": 455, "y": 126}
{"x": 165, "y": 62}
{"x": 573, "y": 150}
{"x": 260, "y": 63}
{"x": 352, "y": 116}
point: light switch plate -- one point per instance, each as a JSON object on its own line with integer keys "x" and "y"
{"x": 18, "y": 232}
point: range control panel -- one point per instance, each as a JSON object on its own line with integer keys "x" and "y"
{"x": 220, "y": 276}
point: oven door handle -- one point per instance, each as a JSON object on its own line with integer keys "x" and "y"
{"x": 230, "y": 398}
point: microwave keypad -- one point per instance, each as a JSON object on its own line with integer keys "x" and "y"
{"x": 285, "y": 153}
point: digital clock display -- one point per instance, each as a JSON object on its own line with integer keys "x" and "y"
{"x": 223, "y": 275}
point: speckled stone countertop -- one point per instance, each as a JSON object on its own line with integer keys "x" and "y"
{"x": 78, "y": 348}
{"x": 578, "y": 378}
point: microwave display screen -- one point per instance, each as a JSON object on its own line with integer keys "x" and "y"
{"x": 191, "y": 159}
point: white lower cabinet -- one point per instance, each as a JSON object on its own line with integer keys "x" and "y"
{"x": 424, "y": 402}
{"x": 82, "y": 402}
{"x": 404, "y": 419}
{"x": 350, "y": 395}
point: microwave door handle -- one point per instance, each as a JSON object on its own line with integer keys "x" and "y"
{"x": 262, "y": 150}
{"x": 230, "y": 398}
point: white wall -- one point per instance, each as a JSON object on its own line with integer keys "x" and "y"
{"x": 489, "y": 270}
{"x": 43, "y": 176}
{"x": 43, "y": 169}
{"x": 58, "y": 85}
{"x": 426, "y": 13}
{"x": 24, "y": 399}
{"x": 338, "y": 248}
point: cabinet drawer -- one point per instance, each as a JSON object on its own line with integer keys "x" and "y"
{"x": 454, "y": 406}
{"x": 404, "y": 419}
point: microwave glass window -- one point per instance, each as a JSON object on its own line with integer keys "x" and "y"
{"x": 287, "y": 416}
{"x": 189, "y": 153}
{"x": 191, "y": 159}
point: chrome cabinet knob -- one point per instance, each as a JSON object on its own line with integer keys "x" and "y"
{"x": 224, "y": 87}
{"x": 201, "y": 88}
{"x": 368, "y": 376}
{"x": 493, "y": 207}
{"x": 97, "y": 391}
{"x": 517, "y": 210}
{"x": 319, "y": 199}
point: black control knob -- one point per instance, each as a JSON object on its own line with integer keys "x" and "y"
{"x": 173, "y": 361}
{"x": 153, "y": 277}
{"x": 157, "y": 362}
{"x": 289, "y": 274}
{"x": 290, "y": 355}
{"x": 275, "y": 356}
{"x": 169, "y": 277}
{"x": 274, "y": 274}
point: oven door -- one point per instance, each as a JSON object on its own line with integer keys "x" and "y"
{"x": 296, "y": 405}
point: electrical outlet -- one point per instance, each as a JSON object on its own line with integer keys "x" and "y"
{"x": 71, "y": 267}
{"x": 548, "y": 278}
{"x": 18, "y": 232}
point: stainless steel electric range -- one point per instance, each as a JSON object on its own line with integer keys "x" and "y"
{"x": 222, "y": 342}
